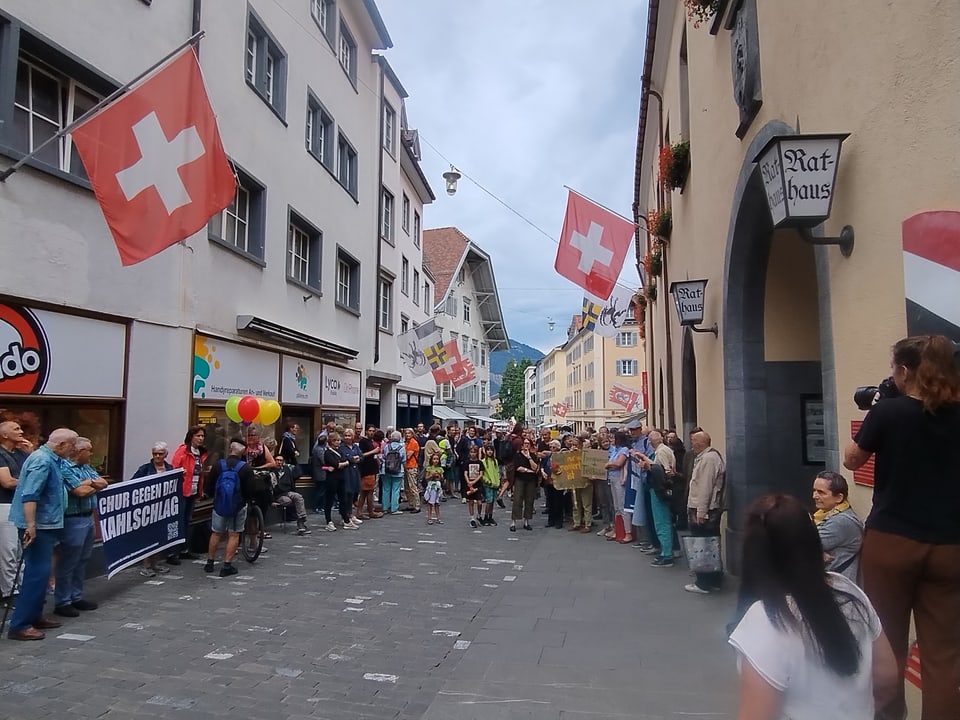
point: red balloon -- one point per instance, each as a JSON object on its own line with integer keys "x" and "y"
{"x": 247, "y": 408}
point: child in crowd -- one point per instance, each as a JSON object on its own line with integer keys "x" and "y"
{"x": 433, "y": 474}
{"x": 474, "y": 490}
{"x": 490, "y": 477}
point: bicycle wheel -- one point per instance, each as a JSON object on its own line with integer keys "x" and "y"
{"x": 251, "y": 539}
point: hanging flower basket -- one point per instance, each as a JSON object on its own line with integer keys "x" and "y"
{"x": 675, "y": 165}
{"x": 700, "y": 11}
{"x": 651, "y": 290}
{"x": 660, "y": 223}
{"x": 656, "y": 262}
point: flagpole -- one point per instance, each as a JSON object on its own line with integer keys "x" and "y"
{"x": 192, "y": 40}
{"x": 603, "y": 206}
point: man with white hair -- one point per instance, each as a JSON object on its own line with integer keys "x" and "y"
{"x": 37, "y": 509}
{"x": 704, "y": 503}
{"x": 76, "y": 543}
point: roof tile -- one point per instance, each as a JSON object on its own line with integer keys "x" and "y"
{"x": 443, "y": 250}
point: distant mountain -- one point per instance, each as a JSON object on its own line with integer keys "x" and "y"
{"x": 499, "y": 359}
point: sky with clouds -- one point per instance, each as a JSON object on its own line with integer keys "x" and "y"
{"x": 524, "y": 96}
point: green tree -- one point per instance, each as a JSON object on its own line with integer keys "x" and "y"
{"x": 512, "y": 390}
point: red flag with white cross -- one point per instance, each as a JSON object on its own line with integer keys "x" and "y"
{"x": 593, "y": 246}
{"x": 156, "y": 162}
{"x": 449, "y": 369}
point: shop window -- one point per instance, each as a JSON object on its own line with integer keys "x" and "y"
{"x": 304, "y": 418}
{"x": 100, "y": 423}
{"x": 343, "y": 418}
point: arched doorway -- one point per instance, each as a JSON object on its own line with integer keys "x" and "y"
{"x": 688, "y": 385}
{"x": 779, "y": 391}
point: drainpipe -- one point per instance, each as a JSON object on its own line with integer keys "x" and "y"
{"x": 376, "y": 232}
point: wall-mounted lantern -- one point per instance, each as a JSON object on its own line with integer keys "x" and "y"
{"x": 799, "y": 175}
{"x": 689, "y": 297}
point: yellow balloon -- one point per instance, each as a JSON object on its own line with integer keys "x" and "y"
{"x": 269, "y": 412}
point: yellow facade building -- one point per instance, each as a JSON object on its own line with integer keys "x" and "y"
{"x": 800, "y": 326}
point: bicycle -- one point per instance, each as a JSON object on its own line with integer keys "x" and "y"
{"x": 251, "y": 538}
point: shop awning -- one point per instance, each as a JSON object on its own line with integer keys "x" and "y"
{"x": 444, "y": 413}
{"x": 484, "y": 419}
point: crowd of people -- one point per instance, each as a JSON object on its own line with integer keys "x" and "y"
{"x": 826, "y": 600}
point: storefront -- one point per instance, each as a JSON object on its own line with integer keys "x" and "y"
{"x": 340, "y": 395}
{"x": 372, "y": 409}
{"x": 63, "y": 370}
{"x": 413, "y": 408}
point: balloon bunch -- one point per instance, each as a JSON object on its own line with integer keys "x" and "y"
{"x": 248, "y": 409}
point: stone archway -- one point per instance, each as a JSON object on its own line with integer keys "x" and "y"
{"x": 762, "y": 399}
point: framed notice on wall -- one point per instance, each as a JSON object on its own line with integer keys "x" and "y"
{"x": 811, "y": 430}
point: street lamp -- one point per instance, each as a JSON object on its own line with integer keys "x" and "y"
{"x": 689, "y": 299}
{"x": 799, "y": 174}
{"x": 451, "y": 177}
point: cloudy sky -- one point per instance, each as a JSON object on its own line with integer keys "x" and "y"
{"x": 524, "y": 96}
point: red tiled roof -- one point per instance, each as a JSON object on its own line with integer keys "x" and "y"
{"x": 443, "y": 249}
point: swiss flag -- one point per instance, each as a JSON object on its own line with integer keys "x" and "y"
{"x": 593, "y": 246}
{"x": 463, "y": 373}
{"x": 155, "y": 161}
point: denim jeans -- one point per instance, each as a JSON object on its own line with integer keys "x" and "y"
{"x": 37, "y": 558}
{"x": 391, "y": 492}
{"x": 662, "y": 523}
{"x": 76, "y": 547}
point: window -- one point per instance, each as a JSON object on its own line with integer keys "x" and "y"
{"x": 427, "y": 299}
{"x": 45, "y": 102}
{"x": 416, "y": 228}
{"x": 241, "y": 225}
{"x": 416, "y": 287}
{"x": 404, "y": 323}
{"x": 303, "y": 252}
{"x": 265, "y": 65}
{"x": 386, "y": 303}
{"x": 483, "y": 392}
{"x": 626, "y": 339}
{"x": 451, "y": 307}
{"x": 466, "y": 310}
{"x": 483, "y": 356}
{"x": 462, "y": 275}
{"x": 405, "y": 276}
{"x": 464, "y": 345}
{"x": 626, "y": 368}
{"x": 588, "y": 344}
{"x": 446, "y": 391}
{"x": 347, "y": 165}
{"x": 386, "y": 219}
{"x": 588, "y": 371}
{"x": 389, "y": 127}
{"x": 405, "y": 217}
{"x": 319, "y": 131}
{"x": 588, "y": 400}
{"x": 475, "y": 352}
{"x": 348, "y": 281}
{"x": 347, "y": 52}
{"x": 322, "y": 12}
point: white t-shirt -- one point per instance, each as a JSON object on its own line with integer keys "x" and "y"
{"x": 812, "y": 691}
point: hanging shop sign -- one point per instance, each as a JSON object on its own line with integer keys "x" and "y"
{"x": 340, "y": 387}
{"x": 50, "y": 353}
{"x": 223, "y": 369}
{"x": 299, "y": 381}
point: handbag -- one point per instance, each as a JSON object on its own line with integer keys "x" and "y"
{"x": 703, "y": 553}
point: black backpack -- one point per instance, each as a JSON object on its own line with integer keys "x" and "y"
{"x": 393, "y": 460}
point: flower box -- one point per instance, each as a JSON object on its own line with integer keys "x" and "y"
{"x": 675, "y": 165}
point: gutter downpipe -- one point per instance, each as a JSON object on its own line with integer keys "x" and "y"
{"x": 653, "y": 11}
{"x": 376, "y": 233}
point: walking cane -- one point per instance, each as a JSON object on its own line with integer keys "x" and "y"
{"x": 16, "y": 583}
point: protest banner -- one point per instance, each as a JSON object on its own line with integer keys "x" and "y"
{"x": 567, "y": 470}
{"x": 139, "y": 518}
{"x": 593, "y": 465}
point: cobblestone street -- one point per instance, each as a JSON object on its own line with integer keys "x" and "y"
{"x": 396, "y": 620}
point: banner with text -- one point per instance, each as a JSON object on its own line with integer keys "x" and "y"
{"x": 139, "y": 518}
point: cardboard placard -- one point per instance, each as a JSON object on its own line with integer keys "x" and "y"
{"x": 593, "y": 464}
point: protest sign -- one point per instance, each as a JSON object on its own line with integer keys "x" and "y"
{"x": 593, "y": 464}
{"x": 139, "y": 518}
{"x": 567, "y": 470}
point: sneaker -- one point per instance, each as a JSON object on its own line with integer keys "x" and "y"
{"x": 302, "y": 531}
{"x": 463, "y": 501}
{"x": 694, "y": 588}
{"x": 602, "y": 531}
{"x": 228, "y": 570}
{"x": 473, "y": 523}
{"x": 646, "y": 548}
{"x": 439, "y": 521}
{"x": 356, "y": 521}
{"x": 331, "y": 527}
{"x": 662, "y": 562}
{"x": 161, "y": 570}
{"x": 491, "y": 521}
{"x": 66, "y": 611}
{"x": 208, "y": 567}
{"x": 148, "y": 572}
{"x": 350, "y": 526}
{"x": 500, "y": 503}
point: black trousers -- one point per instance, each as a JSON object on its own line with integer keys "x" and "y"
{"x": 554, "y": 506}
{"x": 335, "y": 490}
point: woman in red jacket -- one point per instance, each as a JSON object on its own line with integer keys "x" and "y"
{"x": 190, "y": 456}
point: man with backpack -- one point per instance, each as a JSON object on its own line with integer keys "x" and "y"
{"x": 231, "y": 484}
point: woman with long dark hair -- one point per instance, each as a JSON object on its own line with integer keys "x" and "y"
{"x": 910, "y": 559}
{"x": 810, "y": 645}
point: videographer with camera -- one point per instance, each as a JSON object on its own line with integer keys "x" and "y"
{"x": 911, "y": 549}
